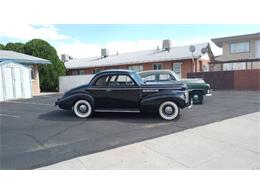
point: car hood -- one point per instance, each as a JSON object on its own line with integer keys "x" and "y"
{"x": 196, "y": 80}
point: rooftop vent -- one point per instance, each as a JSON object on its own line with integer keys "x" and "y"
{"x": 65, "y": 57}
{"x": 166, "y": 45}
{"x": 104, "y": 52}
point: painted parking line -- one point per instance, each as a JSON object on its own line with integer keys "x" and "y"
{"x": 8, "y": 115}
{"x": 32, "y": 103}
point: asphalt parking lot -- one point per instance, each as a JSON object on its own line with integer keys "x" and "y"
{"x": 34, "y": 133}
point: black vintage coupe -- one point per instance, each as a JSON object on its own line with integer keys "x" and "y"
{"x": 125, "y": 91}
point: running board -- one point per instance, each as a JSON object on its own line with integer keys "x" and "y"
{"x": 119, "y": 110}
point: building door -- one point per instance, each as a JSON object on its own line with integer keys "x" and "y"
{"x": 176, "y": 67}
{"x": 8, "y": 84}
{"x": 15, "y": 81}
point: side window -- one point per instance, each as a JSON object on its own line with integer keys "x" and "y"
{"x": 150, "y": 78}
{"x": 165, "y": 77}
{"x": 112, "y": 81}
{"x": 102, "y": 81}
{"x": 124, "y": 80}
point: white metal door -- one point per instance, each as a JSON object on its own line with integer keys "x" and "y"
{"x": 8, "y": 83}
{"x": 26, "y": 83}
{"x": 257, "y": 49}
{"x": 17, "y": 82}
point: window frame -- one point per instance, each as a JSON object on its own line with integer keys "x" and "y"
{"x": 230, "y": 50}
{"x": 122, "y": 86}
{"x": 173, "y": 64}
{"x": 156, "y": 64}
{"x": 108, "y": 77}
{"x": 138, "y": 65}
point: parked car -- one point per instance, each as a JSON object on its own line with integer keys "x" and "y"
{"x": 125, "y": 91}
{"x": 197, "y": 87}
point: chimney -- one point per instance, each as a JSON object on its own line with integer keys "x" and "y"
{"x": 104, "y": 53}
{"x": 166, "y": 46}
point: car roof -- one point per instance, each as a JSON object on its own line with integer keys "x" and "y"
{"x": 155, "y": 71}
{"x": 115, "y": 71}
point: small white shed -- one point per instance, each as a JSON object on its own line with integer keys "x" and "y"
{"x": 15, "y": 81}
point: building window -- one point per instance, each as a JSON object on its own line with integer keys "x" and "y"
{"x": 234, "y": 66}
{"x": 157, "y": 66}
{"x": 81, "y": 72}
{"x": 241, "y": 47}
{"x": 96, "y": 70}
{"x": 137, "y": 68}
{"x": 33, "y": 72}
{"x": 176, "y": 67}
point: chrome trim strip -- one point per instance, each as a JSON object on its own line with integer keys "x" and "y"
{"x": 127, "y": 111}
{"x": 134, "y": 88}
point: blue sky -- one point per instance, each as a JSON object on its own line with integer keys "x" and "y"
{"x": 86, "y": 40}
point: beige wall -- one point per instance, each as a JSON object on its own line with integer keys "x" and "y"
{"x": 229, "y": 56}
{"x": 36, "y": 82}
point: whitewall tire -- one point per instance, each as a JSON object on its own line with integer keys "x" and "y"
{"x": 82, "y": 108}
{"x": 169, "y": 110}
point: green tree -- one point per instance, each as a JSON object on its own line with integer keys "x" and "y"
{"x": 18, "y": 47}
{"x": 2, "y": 46}
{"x": 49, "y": 74}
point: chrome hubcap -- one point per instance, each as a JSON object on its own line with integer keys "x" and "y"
{"x": 168, "y": 110}
{"x": 82, "y": 108}
{"x": 195, "y": 97}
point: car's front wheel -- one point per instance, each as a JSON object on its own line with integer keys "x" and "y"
{"x": 82, "y": 108}
{"x": 197, "y": 97}
{"x": 169, "y": 110}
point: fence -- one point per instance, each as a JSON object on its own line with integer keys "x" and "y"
{"x": 234, "y": 80}
{"x": 68, "y": 82}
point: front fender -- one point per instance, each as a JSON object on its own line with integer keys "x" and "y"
{"x": 67, "y": 102}
{"x": 151, "y": 104}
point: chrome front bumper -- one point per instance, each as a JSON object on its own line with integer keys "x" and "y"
{"x": 190, "y": 104}
{"x": 209, "y": 93}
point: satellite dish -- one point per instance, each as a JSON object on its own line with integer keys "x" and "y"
{"x": 204, "y": 50}
{"x": 192, "y": 48}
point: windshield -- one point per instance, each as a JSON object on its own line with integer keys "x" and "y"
{"x": 137, "y": 78}
{"x": 175, "y": 76}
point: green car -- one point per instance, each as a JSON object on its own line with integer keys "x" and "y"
{"x": 197, "y": 87}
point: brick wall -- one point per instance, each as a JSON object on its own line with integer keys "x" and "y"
{"x": 187, "y": 66}
{"x": 234, "y": 80}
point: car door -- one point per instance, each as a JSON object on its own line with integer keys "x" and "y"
{"x": 98, "y": 91}
{"x": 123, "y": 92}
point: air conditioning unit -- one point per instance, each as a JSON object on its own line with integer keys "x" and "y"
{"x": 166, "y": 44}
{"x": 104, "y": 52}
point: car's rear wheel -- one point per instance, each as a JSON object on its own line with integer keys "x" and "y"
{"x": 169, "y": 110}
{"x": 197, "y": 97}
{"x": 82, "y": 108}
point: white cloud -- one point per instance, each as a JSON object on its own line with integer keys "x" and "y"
{"x": 27, "y": 32}
{"x": 82, "y": 50}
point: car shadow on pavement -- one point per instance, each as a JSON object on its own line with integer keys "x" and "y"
{"x": 67, "y": 115}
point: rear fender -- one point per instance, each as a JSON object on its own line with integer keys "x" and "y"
{"x": 68, "y": 101}
{"x": 151, "y": 104}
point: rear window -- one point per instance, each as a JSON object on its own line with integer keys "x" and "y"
{"x": 102, "y": 81}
